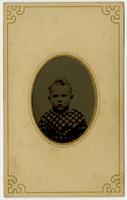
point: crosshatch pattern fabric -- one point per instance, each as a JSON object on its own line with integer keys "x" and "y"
{"x": 63, "y": 127}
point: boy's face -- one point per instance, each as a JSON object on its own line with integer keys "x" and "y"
{"x": 60, "y": 97}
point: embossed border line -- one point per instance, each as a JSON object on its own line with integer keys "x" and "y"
{"x": 113, "y": 12}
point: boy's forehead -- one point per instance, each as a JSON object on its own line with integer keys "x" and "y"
{"x": 59, "y": 88}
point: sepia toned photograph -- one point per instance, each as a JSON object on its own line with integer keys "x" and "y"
{"x": 64, "y": 99}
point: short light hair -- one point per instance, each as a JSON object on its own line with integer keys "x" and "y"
{"x": 60, "y": 81}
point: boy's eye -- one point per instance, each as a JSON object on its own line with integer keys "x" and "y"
{"x": 64, "y": 95}
{"x": 55, "y": 95}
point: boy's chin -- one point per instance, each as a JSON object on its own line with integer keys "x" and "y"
{"x": 60, "y": 109}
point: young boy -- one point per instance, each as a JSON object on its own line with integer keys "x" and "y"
{"x": 62, "y": 124}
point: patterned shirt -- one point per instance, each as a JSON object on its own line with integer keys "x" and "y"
{"x": 63, "y": 127}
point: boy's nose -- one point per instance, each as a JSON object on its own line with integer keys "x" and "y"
{"x": 59, "y": 100}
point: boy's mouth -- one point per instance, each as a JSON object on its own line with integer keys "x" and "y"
{"x": 59, "y": 105}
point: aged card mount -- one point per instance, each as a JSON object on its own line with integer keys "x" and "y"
{"x": 84, "y": 43}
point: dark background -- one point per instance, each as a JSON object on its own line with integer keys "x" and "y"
{"x": 78, "y": 76}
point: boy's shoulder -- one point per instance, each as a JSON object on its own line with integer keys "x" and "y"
{"x": 46, "y": 115}
{"x": 75, "y": 111}
{"x": 76, "y": 114}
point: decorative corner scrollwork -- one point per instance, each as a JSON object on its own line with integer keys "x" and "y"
{"x": 14, "y": 187}
{"x": 113, "y": 12}
{"x": 113, "y": 186}
{"x": 12, "y": 12}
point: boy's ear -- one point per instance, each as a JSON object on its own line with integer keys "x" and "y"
{"x": 72, "y": 96}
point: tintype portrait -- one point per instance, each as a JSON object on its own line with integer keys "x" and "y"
{"x": 63, "y": 99}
